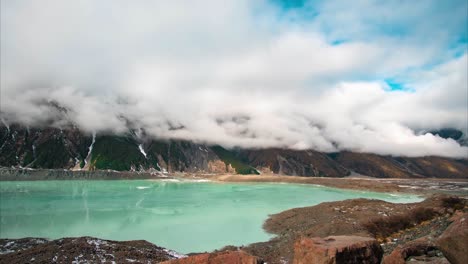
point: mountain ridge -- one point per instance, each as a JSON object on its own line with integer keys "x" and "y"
{"x": 70, "y": 148}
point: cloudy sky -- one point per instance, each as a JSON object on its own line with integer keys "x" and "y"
{"x": 363, "y": 75}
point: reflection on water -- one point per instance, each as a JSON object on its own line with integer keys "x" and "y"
{"x": 184, "y": 216}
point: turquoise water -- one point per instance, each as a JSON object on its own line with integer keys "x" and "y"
{"x": 183, "y": 216}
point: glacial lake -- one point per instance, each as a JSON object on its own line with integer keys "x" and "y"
{"x": 185, "y": 216}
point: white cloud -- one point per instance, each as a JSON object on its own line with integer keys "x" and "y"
{"x": 228, "y": 72}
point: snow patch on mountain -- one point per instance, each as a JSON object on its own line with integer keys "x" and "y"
{"x": 90, "y": 149}
{"x": 140, "y": 147}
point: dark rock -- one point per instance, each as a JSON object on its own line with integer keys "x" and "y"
{"x": 452, "y": 133}
{"x": 420, "y": 247}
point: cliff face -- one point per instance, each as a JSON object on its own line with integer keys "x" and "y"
{"x": 53, "y": 148}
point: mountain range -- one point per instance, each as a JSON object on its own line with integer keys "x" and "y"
{"x": 70, "y": 148}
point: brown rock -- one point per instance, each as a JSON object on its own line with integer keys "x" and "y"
{"x": 419, "y": 247}
{"x": 396, "y": 257}
{"x": 456, "y": 216}
{"x": 454, "y": 241}
{"x": 337, "y": 249}
{"x": 224, "y": 257}
{"x": 218, "y": 166}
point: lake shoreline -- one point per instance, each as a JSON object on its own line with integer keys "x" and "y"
{"x": 420, "y": 186}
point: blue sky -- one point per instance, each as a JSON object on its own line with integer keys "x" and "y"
{"x": 431, "y": 22}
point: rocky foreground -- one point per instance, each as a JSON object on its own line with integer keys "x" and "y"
{"x": 351, "y": 231}
{"x": 81, "y": 250}
{"x": 391, "y": 226}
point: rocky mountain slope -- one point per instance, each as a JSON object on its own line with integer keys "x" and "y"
{"x": 70, "y": 148}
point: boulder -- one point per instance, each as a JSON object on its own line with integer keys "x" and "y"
{"x": 224, "y": 257}
{"x": 420, "y": 247}
{"x": 454, "y": 241}
{"x": 337, "y": 249}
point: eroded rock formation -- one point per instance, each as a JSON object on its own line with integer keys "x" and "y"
{"x": 337, "y": 249}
